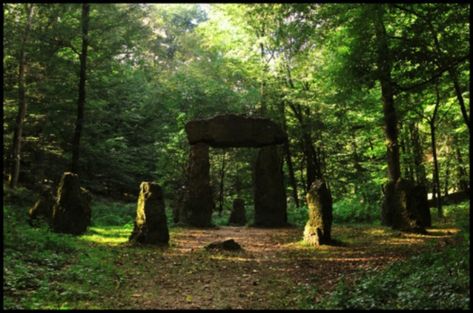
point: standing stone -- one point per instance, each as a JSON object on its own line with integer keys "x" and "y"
{"x": 269, "y": 192}
{"x": 421, "y": 203}
{"x": 198, "y": 202}
{"x": 150, "y": 223}
{"x": 71, "y": 211}
{"x": 319, "y": 201}
{"x": 43, "y": 207}
{"x": 238, "y": 217}
{"x": 389, "y": 203}
{"x": 407, "y": 217}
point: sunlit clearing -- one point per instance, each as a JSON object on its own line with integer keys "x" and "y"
{"x": 302, "y": 245}
{"x": 111, "y": 235}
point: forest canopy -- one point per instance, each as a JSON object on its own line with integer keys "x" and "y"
{"x": 313, "y": 68}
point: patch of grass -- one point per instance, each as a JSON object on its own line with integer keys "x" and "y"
{"x": 46, "y": 270}
{"x": 454, "y": 215}
{"x": 431, "y": 280}
{"x": 112, "y": 213}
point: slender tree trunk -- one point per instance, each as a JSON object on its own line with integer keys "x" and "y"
{"x": 462, "y": 175}
{"x": 434, "y": 153}
{"x": 390, "y": 118}
{"x": 436, "y": 170}
{"x": 222, "y": 177}
{"x": 287, "y": 151}
{"x": 419, "y": 168}
{"x": 405, "y": 154}
{"x": 458, "y": 93}
{"x": 81, "y": 99}
{"x": 263, "y": 75}
{"x": 447, "y": 177}
{"x": 22, "y": 105}
{"x": 302, "y": 167}
{"x": 391, "y": 203}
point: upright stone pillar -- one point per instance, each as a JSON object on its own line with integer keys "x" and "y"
{"x": 150, "y": 223}
{"x": 71, "y": 211}
{"x": 319, "y": 201}
{"x": 269, "y": 192}
{"x": 238, "y": 216}
{"x": 198, "y": 201}
{"x": 422, "y": 205}
{"x": 409, "y": 216}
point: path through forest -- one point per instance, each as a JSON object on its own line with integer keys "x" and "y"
{"x": 275, "y": 270}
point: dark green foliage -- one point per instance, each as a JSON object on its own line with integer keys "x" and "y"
{"x": 45, "y": 270}
{"x": 297, "y": 216}
{"x": 112, "y": 213}
{"x": 354, "y": 210}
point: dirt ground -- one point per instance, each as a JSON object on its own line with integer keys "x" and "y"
{"x": 274, "y": 271}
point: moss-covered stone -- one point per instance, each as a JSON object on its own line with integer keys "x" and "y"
{"x": 43, "y": 207}
{"x": 71, "y": 211}
{"x": 238, "y": 216}
{"x": 317, "y": 230}
{"x": 198, "y": 202}
{"x": 150, "y": 225}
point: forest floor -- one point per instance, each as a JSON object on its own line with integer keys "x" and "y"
{"x": 275, "y": 269}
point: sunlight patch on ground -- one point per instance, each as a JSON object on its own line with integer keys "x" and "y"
{"x": 107, "y": 235}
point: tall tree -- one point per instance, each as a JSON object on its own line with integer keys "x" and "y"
{"x": 82, "y": 95}
{"x": 22, "y": 104}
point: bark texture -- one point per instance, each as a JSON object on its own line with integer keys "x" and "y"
{"x": 81, "y": 98}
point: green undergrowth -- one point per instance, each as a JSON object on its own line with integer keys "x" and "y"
{"x": 46, "y": 270}
{"x": 438, "y": 278}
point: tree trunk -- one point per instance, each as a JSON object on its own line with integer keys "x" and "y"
{"x": 22, "y": 105}
{"x": 458, "y": 93}
{"x": 419, "y": 168}
{"x": 405, "y": 154}
{"x": 222, "y": 177}
{"x": 263, "y": 75}
{"x": 462, "y": 175}
{"x": 384, "y": 77}
{"x": 81, "y": 99}
{"x": 391, "y": 201}
{"x": 287, "y": 152}
{"x": 436, "y": 170}
{"x": 447, "y": 176}
{"x": 314, "y": 170}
